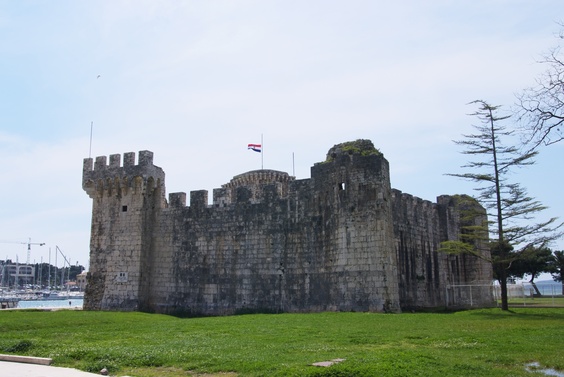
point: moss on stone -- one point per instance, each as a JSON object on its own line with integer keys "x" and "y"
{"x": 360, "y": 147}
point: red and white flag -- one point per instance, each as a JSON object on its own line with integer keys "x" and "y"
{"x": 255, "y": 147}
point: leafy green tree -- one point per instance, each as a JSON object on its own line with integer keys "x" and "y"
{"x": 532, "y": 261}
{"x": 540, "y": 108}
{"x": 558, "y": 267}
{"x": 75, "y": 270}
{"x": 509, "y": 208}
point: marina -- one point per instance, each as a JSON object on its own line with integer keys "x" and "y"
{"x": 40, "y": 299}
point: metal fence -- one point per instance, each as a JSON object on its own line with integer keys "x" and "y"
{"x": 521, "y": 294}
{"x": 524, "y": 294}
{"x": 468, "y": 295}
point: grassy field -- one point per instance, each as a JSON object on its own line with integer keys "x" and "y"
{"x": 470, "y": 343}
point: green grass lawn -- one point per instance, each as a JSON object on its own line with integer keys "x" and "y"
{"x": 470, "y": 343}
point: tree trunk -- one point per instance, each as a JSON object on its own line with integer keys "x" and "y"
{"x": 503, "y": 285}
{"x": 537, "y": 292}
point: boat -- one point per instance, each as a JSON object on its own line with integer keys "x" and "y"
{"x": 62, "y": 295}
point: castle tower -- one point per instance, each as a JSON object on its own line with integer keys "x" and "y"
{"x": 126, "y": 200}
{"x": 354, "y": 203}
{"x": 255, "y": 181}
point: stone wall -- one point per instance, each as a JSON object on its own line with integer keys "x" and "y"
{"x": 341, "y": 240}
{"x": 425, "y": 274}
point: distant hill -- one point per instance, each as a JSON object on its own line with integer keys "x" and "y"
{"x": 548, "y": 282}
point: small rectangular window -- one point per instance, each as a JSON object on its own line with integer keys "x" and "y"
{"x": 123, "y": 208}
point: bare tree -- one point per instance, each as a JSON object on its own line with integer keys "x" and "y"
{"x": 540, "y": 108}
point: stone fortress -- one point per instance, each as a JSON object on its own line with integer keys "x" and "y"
{"x": 342, "y": 240}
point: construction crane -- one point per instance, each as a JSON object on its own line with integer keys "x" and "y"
{"x": 29, "y": 243}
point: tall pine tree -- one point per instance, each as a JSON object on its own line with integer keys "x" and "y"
{"x": 510, "y": 209}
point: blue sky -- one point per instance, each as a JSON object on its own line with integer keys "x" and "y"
{"x": 196, "y": 81}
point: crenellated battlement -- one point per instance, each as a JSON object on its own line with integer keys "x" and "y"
{"x": 145, "y": 159}
{"x": 99, "y": 177}
{"x": 413, "y": 201}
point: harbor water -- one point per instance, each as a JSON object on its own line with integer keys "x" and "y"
{"x": 72, "y": 303}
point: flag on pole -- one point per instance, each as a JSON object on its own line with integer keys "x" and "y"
{"x": 255, "y": 147}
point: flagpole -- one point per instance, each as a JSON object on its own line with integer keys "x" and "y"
{"x": 293, "y": 165}
{"x": 90, "y": 149}
{"x": 261, "y": 153}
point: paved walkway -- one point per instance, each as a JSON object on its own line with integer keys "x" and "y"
{"x": 34, "y": 370}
